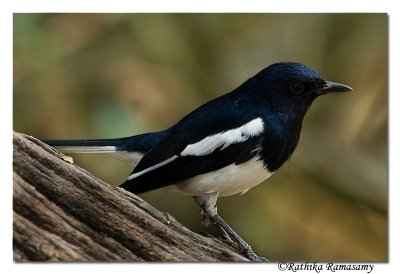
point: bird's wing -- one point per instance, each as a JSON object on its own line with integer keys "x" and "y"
{"x": 198, "y": 145}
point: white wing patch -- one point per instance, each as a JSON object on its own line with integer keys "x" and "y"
{"x": 163, "y": 163}
{"x": 209, "y": 144}
{"x": 238, "y": 135}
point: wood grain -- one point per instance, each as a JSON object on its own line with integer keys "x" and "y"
{"x": 64, "y": 213}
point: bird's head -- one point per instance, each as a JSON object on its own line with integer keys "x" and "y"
{"x": 292, "y": 87}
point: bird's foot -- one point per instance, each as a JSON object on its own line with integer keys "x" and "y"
{"x": 246, "y": 250}
{"x": 253, "y": 257}
{"x": 207, "y": 202}
{"x": 225, "y": 237}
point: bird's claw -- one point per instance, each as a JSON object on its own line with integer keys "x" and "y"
{"x": 254, "y": 257}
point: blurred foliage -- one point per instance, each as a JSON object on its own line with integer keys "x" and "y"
{"x": 113, "y": 75}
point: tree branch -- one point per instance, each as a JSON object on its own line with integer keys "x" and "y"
{"x": 63, "y": 213}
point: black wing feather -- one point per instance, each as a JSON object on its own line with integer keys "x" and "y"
{"x": 214, "y": 117}
{"x": 186, "y": 167}
{"x": 221, "y": 114}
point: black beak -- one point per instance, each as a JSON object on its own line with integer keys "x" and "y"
{"x": 333, "y": 87}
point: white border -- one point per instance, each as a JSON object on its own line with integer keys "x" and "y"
{"x": 8, "y": 7}
{"x": 123, "y": 6}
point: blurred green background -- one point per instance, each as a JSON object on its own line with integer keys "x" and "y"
{"x": 114, "y": 75}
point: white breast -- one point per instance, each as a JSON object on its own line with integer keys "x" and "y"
{"x": 227, "y": 181}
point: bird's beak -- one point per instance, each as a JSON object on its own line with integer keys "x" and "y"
{"x": 333, "y": 87}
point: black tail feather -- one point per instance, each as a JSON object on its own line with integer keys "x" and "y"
{"x": 141, "y": 143}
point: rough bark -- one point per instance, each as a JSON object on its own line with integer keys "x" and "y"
{"x": 63, "y": 213}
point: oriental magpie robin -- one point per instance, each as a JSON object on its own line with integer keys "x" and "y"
{"x": 225, "y": 146}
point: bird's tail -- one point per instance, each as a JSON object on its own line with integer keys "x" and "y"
{"x": 140, "y": 143}
{"x": 88, "y": 146}
{"x": 128, "y": 149}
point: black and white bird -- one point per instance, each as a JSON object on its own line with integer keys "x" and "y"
{"x": 226, "y": 146}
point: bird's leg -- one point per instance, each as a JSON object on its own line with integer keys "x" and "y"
{"x": 205, "y": 221}
{"x": 224, "y": 235}
{"x": 208, "y": 202}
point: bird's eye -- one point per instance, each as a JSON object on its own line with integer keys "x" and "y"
{"x": 297, "y": 88}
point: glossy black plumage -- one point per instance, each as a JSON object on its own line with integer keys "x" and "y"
{"x": 267, "y": 95}
{"x": 279, "y": 95}
{"x": 224, "y": 147}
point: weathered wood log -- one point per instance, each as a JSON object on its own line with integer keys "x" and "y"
{"x": 63, "y": 213}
